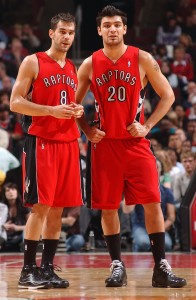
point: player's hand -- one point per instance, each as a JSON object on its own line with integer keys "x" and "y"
{"x": 137, "y": 130}
{"x": 78, "y": 109}
{"x": 95, "y": 135}
{"x": 64, "y": 111}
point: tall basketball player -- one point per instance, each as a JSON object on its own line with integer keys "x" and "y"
{"x": 51, "y": 152}
{"x": 121, "y": 158}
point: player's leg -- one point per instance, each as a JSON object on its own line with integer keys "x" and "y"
{"x": 30, "y": 277}
{"x": 106, "y": 180}
{"x": 162, "y": 274}
{"x": 50, "y": 237}
{"x": 111, "y": 229}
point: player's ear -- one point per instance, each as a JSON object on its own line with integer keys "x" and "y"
{"x": 51, "y": 33}
{"x": 125, "y": 29}
{"x": 99, "y": 31}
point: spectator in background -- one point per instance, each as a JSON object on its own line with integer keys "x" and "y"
{"x": 182, "y": 180}
{"x": 17, "y": 217}
{"x": 3, "y": 37}
{"x": 9, "y": 122}
{"x": 3, "y": 73}
{"x": 162, "y": 131}
{"x": 70, "y": 225}
{"x": 169, "y": 32}
{"x": 14, "y": 56}
{"x": 190, "y": 93}
{"x": 161, "y": 54}
{"x": 166, "y": 167}
{"x": 182, "y": 65}
{"x": 181, "y": 116}
{"x": 191, "y": 112}
{"x": 180, "y": 186}
{"x": 4, "y": 98}
{"x": 182, "y": 134}
{"x": 155, "y": 145}
{"x": 191, "y": 29}
{"x": 29, "y": 38}
{"x": 175, "y": 143}
{"x": 191, "y": 133}
{"x": 186, "y": 146}
{"x": 173, "y": 79}
{"x": 190, "y": 47}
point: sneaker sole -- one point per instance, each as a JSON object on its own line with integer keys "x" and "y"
{"x": 154, "y": 284}
{"x": 46, "y": 286}
{"x": 60, "y": 286}
{"x": 116, "y": 285}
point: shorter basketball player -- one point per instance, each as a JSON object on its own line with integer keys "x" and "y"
{"x": 51, "y": 153}
{"x": 121, "y": 158}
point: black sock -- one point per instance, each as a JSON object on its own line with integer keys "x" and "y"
{"x": 49, "y": 250}
{"x": 157, "y": 242}
{"x": 30, "y": 248}
{"x": 113, "y": 245}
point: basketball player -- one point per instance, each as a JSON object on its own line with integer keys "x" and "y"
{"x": 121, "y": 159}
{"x": 51, "y": 152}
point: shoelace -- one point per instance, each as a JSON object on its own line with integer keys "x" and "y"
{"x": 55, "y": 268}
{"x": 165, "y": 266}
{"x": 116, "y": 268}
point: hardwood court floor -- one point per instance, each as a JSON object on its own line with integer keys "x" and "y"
{"x": 87, "y": 272}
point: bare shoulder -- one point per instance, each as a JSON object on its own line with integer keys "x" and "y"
{"x": 85, "y": 69}
{"x": 146, "y": 60}
{"x": 87, "y": 63}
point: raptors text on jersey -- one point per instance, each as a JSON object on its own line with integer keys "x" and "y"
{"x": 118, "y": 92}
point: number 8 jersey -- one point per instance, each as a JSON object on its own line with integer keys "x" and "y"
{"x": 53, "y": 86}
{"x": 117, "y": 90}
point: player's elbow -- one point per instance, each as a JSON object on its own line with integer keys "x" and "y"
{"x": 14, "y": 105}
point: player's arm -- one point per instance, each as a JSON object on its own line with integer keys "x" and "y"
{"x": 84, "y": 81}
{"x": 19, "y": 103}
{"x": 150, "y": 71}
{"x": 161, "y": 86}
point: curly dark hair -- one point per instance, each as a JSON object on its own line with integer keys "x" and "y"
{"x": 111, "y": 11}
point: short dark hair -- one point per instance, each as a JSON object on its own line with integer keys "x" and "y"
{"x": 111, "y": 11}
{"x": 65, "y": 17}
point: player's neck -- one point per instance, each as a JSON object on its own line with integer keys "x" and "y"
{"x": 114, "y": 53}
{"x": 59, "y": 57}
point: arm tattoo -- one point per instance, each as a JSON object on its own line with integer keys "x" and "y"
{"x": 155, "y": 65}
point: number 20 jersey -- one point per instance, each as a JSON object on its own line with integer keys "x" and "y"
{"x": 117, "y": 91}
{"x": 53, "y": 86}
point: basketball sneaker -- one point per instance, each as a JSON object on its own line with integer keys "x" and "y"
{"x": 118, "y": 275}
{"x": 163, "y": 276}
{"x": 31, "y": 278}
{"x": 49, "y": 275}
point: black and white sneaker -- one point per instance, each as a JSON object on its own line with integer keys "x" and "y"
{"x": 31, "y": 278}
{"x": 163, "y": 276}
{"x": 48, "y": 273}
{"x": 118, "y": 275}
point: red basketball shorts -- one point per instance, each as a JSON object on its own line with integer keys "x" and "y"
{"x": 51, "y": 173}
{"x": 122, "y": 167}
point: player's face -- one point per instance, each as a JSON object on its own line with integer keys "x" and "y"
{"x": 112, "y": 30}
{"x": 63, "y": 36}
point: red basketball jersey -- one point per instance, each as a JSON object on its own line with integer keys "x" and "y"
{"x": 117, "y": 90}
{"x": 54, "y": 86}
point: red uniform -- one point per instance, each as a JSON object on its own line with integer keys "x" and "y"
{"x": 54, "y": 86}
{"x": 51, "y": 169}
{"x": 121, "y": 163}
